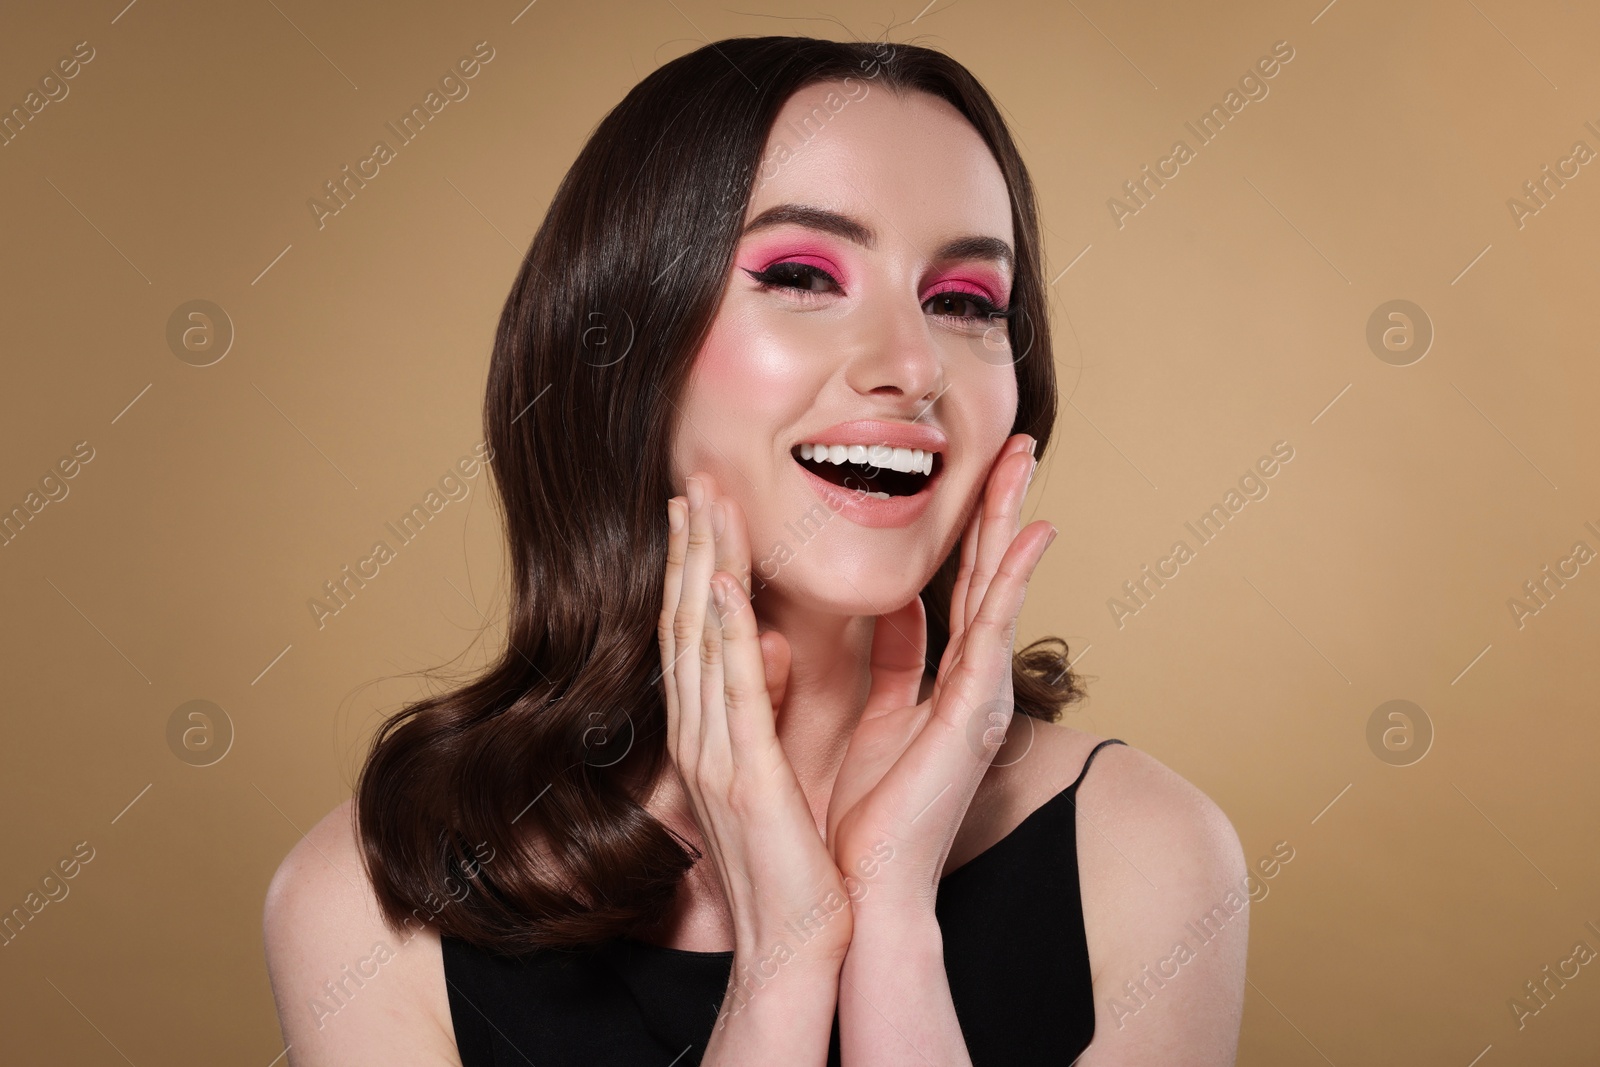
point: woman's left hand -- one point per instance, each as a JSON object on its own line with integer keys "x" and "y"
{"x": 912, "y": 767}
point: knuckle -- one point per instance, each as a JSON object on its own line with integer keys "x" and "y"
{"x": 684, "y": 626}
{"x": 710, "y": 651}
{"x": 1012, "y": 568}
{"x": 741, "y": 799}
{"x": 994, "y": 625}
{"x": 712, "y": 780}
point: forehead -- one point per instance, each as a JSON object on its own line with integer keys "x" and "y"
{"x": 904, "y": 158}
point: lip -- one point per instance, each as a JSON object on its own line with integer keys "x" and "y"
{"x": 876, "y": 432}
{"x": 869, "y": 511}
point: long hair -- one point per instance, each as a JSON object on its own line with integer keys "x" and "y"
{"x": 506, "y": 812}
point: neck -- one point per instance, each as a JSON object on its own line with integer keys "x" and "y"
{"x": 829, "y": 677}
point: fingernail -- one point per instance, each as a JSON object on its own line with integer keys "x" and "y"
{"x": 719, "y": 595}
{"x": 1032, "y": 469}
{"x": 719, "y": 517}
{"x": 674, "y": 516}
{"x": 1033, "y": 445}
{"x": 695, "y": 494}
{"x": 1053, "y": 532}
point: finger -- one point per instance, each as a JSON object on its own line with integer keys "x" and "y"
{"x": 672, "y": 586}
{"x": 726, "y": 524}
{"x": 984, "y": 670}
{"x": 948, "y": 663}
{"x": 745, "y": 699}
{"x": 958, "y": 595}
{"x": 985, "y": 665}
{"x": 960, "y": 613}
{"x": 776, "y": 658}
{"x": 733, "y": 542}
{"x": 899, "y": 643}
{"x": 998, "y": 514}
{"x": 716, "y": 749}
{"x": 1002, "y": 514}
{"x": 689, "y": 619}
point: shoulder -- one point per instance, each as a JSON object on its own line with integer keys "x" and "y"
{"x": 1165, "y": 895}
{"x": 349, "y": 989}
{"x": 1121, "y": 786}
{"x": 1132, "y": 796}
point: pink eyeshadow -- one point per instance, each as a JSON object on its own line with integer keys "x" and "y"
{"x": 988, "y": 290}
{"x": 765, "y": 254}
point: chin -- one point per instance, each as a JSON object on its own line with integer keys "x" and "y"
{"x": 862, "y": 585}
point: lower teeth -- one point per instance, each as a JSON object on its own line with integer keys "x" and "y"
{"x": 879, "y": 496}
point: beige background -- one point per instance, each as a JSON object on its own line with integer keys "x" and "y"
{"x": 1228, "y": 314}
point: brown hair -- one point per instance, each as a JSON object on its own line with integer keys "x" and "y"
{"x": 527, "y": 779}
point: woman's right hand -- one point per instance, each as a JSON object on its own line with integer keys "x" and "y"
{"x": 778, "y": 876}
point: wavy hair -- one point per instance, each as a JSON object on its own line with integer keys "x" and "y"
{"x": 537, "y": 764}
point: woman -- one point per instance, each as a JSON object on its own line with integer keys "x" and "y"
{"x": 762, "y": 408}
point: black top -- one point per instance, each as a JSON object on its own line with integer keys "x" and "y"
{"x": 1019, "y": 975}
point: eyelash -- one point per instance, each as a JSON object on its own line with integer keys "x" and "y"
{"x": 781, "y": 276}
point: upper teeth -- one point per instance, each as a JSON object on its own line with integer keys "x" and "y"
{"x": 882, "y": 456}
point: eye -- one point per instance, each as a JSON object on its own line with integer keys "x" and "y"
{"x": 960, "y": 304}
{"x": 796, "y": 277}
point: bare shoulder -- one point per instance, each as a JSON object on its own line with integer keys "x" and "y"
{"x": 1134, "y": 797}
{"x": 349, "y": 989}
{"x": 1166, "y": 900}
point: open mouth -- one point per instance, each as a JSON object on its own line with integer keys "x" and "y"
{"x": 876, "y": 470}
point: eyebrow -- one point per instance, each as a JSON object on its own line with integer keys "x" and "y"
{"x": 815, "y": 218}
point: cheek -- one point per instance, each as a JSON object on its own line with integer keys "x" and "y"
{"x": 753, "y": 379}
{"x": 728, "y": 367}
{"x": 756, "y": 361}
{"x": 992, "y": 417}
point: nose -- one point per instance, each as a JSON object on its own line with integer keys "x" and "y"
{"x": 897, "y": 358}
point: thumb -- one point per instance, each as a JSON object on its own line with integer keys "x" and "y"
{"x": 775, "y": 658}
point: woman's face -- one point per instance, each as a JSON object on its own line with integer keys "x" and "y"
{"x": 877, "y": 244}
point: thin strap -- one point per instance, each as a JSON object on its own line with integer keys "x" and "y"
{"x": 1073, "y": 788}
